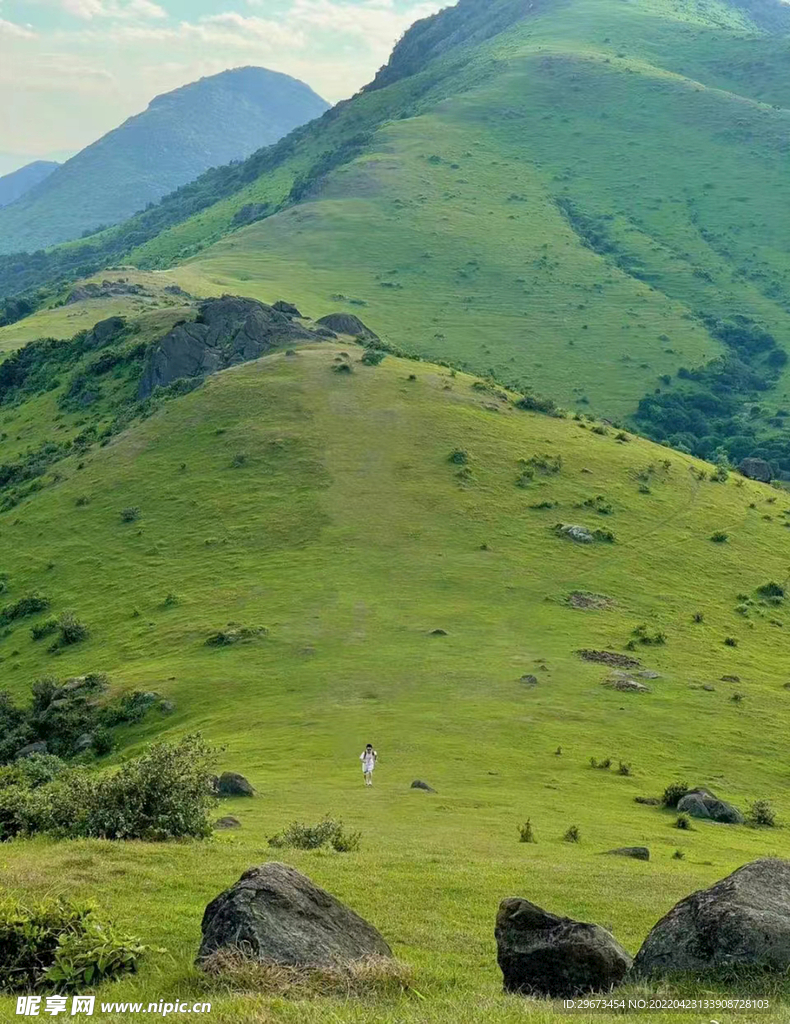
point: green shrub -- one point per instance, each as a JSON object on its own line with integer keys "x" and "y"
{"x": 372, "y": 357}
{"x": 526, "y": 833}
{"x": 604, "y": 764}
{"x": 683, "y": 822}
{"x": 311, "y": 837}
{"x": 29, "y": 605}
{"x": 71, "y": 631}
{"x": 459, "y": 457}
{"x": 761, "y": 813}
{"x": 719, "y": 537}
{"x": 60, "y": 946}
{"x": 102, "y": 742}
{"x": 678, "y": 855}
{"x": 623, "y": 768}
{"x": 46, "y": 628}
{"x": 771, "y": 590}
{"x": 674, "y": 792}
{"x": 163, "y": 794}
{"x": 572, "y": 835}
{"x": 730, "y": 641}
{"x": 343, "y": 368}
{"x": 131, "y": 514}
{"x": 533, "y": 403}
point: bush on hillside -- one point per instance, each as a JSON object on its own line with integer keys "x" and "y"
{"x": 761, "y": 814}
{"x": 674, "y": 792}
{"x": 45, "y": 628}
{"x": 683, "y": 822}
{"x": 573, "y": 835}
{"x": 312, "y": 837}
{"x": 719, "y": 537}
{"x": 70, "y": 631}
{"x": 130, "y": 514}
{"x": 526, "y": 833}
{"x": 30, "y": 605}
{"x": 372, "y": 357}
{"x": 60, "y": 946}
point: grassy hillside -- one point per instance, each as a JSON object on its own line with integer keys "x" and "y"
{"x": 180, "y": 135}
{"x": 325, "y": 506}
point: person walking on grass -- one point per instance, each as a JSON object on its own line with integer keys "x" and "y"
{"x": 368, "y": 758}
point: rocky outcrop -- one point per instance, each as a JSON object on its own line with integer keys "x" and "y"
{"x": 233, "y": 784}
{"x": 105, "y": 332}
{"x": 227, "y": 331}
{"x": 274, "y": 913}
{"x": 347, "y": 323}
{"x": 743, "y": 921}
{"x": 542, "y": 954}
{"x": 107, "y": 289}
{"x": 756, "y": 469}
{"x": 701, "y": 803}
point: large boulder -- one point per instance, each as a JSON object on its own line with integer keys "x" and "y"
{"x": 227, "y": 331}
{"x": 743, "y": 921}
{"x": 233, "y": 784}
{"x": 756, "y": 469}
{"x": 347, "y": 323}
{"x": 419, "y": 784}
{"x": 275, "y": 913}
{"x": 701, "y": 803}
{"x": 542, "y": 954}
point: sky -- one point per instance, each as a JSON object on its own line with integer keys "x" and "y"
{"x": 71, "y": 70}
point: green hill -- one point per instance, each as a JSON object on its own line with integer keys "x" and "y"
{"x": 587, "y": 198}
{"x": 182, "y": 133}
{"x": 353, "y": 514}
{"x": 16, "y": 183}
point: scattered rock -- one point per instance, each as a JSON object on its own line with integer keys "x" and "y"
{"x": 419, "y": 784}
{"x": 438, "y": 632}
{"x": 542, "y": 954}
{"x": 227, "y": 331}
{"x": 637, "y": 852}
{"x": 105, "y": 290}
{"x": 83, "y": 743}
{"x": 580, "y": 534}
{"x": 286, "y": 307}
{"x": 277, "y": 914}
{"x": 167, "y": 707}
{"x": 708, "y": 687}
{"x": 227, "y": 822}
{"x": 347, "y": 323}
{"x": 625, "y": 684}
{"x": 104, "y": 332}
{"x": 647, "y": 673}
{"x": 756, "y": 469}
{"x": 651, "y": 801}
{"x": 743, "y": 921}
{"x": 730, "y": 679}
{"x": 609, "y": 658}
{"x": 529, "y": 680}
{"x": 233, "y": 784}
{"x": 582, "y": 599}
{"x": 701, "y": 803}
{"x": 32, "y": 748}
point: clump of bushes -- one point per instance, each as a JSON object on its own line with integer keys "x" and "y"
{"x": 683, "y": 822}
{"x": 163, "y": 794}
{"x": 771, "y": 589}
{"x": 372, "y": 357}
{"x": 719, "y": 537}
{"x": 45, "y": 628}
{"x": 674, "y": 793}
{"x": 70, "y": 631}
{"x": 459, "y": 457}
{"x": 234, "y": 634}
{"x": 61, "y": 946}
{"x": 605, "y": 764}
{"x": 526, "y": 833}
{"x": 30, "y": 605}
{"x": 573, "y": 835}
{"x": 130, "y": 514}
{"x": 312, "y": 837}
{"x": 643, "y": 635}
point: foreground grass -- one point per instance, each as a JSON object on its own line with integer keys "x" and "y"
{"x": 347, "y": 532}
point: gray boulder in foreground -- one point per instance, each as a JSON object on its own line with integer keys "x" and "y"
{"x": 545, "y": 955}
{"x": 741, "y": 922}
{"x": 701, "y": 803}
{"x": 275, "y": 913}
{"x": 234, "y": 784}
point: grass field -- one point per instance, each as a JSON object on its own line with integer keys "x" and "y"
{"x": 347, "y": 532}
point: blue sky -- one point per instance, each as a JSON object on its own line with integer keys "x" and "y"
{"x": 70, "y": 70}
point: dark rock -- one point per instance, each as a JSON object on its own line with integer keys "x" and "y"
{"x": 227, "y": 331}
{"x": 529, "y": 680}
{"x": 542, "y": 954}
{"x": 286, "y": 307}
{"x": 277, "y": 914}
{"x": 708, "y": 687}
{"x": 419, "y": 784}
{"x": 84, "y": 742}
{"x": 743, "y": 921}
{"x": 105, "y": 290}
{"x": 39, "y": 747}
{"x": 438, "y": 632}
{"x": 625, "y": 684}
{"x": 637, "y": 852}
{"x": 104, "y": 332}
{"x": 233, "y": 784}
{"x": 324, "y": 332}
{"x": 227, "y": 822}
{"x": 609, "y": 658}
{"x": 701, "y": 803}
{"x": 167, "y": 707}
{"x": 756, "y": 469}
{"x": 585, "y": 600}
{"x": 347, "y": 323}
{"x": 730, "y": 679}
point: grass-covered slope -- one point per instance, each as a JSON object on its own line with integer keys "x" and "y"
{"x": 180, "y": 135}
{"x": 326, "y": 507}
{"x": 592, "y": 200}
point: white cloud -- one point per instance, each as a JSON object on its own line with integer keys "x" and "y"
{"x": 14, "y": 31}
{"x": 87, "y": 10}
